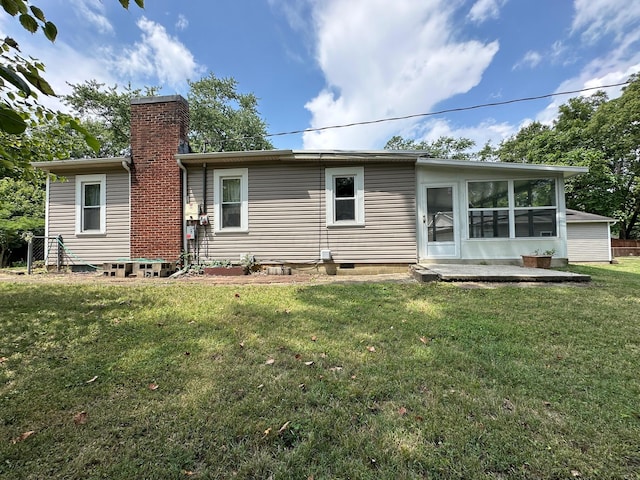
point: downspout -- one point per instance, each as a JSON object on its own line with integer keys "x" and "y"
{"x": 126, "y": 164}
{"x": 204, "y": 188}
{"x": 185, "y": 246}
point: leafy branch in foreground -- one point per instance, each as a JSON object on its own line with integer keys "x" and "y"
{"x": 21, "y": 79}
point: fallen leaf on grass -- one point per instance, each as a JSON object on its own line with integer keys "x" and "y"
{"x": 270, "y": 361}
{"x": 188, "y": 473}
{"x": 92, "y": 380}
{"x": 508, "y": 405}
{"x": 23, "y": 437}
{"x": 576, "y": 473}
{"x": 241, "y": 344}
{"x": 314, "y": 338}
{"x": 237, "y": 295}
{"x": 335, "y": 369}
{"x": 371, "y": 348}
{"x": 267, "y": 432}
{"x": 424, "y": 340}
{"x": 153, "y": 386}
{"x": 3, "y": 359}
{"x": 284, "y": 427}
{"x": 308, "y": 364}
{"x": 298, "y": 356}
{"x": 261, "y": 386}
{"x": 402, "y": 411}
{"x": 80, "y": 418}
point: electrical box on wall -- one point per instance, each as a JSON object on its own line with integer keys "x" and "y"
{"x": 204, "y": 219}
{"x": 190, "y": 232}
{"x": 325, "y": 255}
{"x": 191, "y": 211}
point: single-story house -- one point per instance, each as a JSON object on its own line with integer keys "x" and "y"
{"x": 338, "y": 209}
{"x": 588, "y": 237}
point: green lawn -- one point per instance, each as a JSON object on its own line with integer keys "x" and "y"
{"x": 378, "y": 380}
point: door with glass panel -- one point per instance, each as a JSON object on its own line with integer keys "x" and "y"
{"x": 440, "y": 222}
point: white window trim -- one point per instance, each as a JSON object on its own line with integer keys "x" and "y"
{"x": 102, "y": 180}
{"x": 329, "y": 175}
{"x": 218, "y": 175}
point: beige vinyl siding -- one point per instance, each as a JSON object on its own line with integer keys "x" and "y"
{"x": 287, "y": 220}
{"x": 588, "y": 242}
{"x": 91, "y": 249}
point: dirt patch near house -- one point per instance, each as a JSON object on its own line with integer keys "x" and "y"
{"x": 253, "y": 279}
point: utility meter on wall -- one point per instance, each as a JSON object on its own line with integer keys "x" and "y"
{"x": 204, "y": 219}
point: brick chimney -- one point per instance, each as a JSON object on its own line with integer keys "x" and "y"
{"x": 159, "y": 126}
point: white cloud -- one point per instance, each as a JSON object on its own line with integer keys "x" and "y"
{"x": 598, "y": 73}
{"x": 93, "y": 11}
{"x": 597, "y": 18}
{"x": 531, "y": 59}
{"x": 182, "y": 23}
{"x": 486, "y": 131}
{"x": 295, "y": 11}
{"x": 158, "y": 55}
{"x": 381, "y": 62}
{"x": 484, "y": 10}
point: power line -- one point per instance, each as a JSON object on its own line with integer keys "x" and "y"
{"x": 440, "y": 112}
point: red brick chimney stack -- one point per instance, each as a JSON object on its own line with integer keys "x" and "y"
{"x": 159, "y": 125}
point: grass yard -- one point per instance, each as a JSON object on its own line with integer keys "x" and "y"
{"x": 379, "y": 380}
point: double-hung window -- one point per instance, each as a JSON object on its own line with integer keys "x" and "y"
{"x": 230, "y": 197}
{"x": 512, "y": 208}
{"x": 91, "y": 204}
{"x": 344, "y": 191}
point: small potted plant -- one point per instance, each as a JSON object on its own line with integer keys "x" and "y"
{"x": 538, "y": 259}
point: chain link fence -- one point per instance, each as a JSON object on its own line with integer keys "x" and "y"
{"x": 45, "y": 252}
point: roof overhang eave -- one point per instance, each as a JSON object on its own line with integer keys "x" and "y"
{"x": 80, "y": 164}
{"x": 566, "y": 171}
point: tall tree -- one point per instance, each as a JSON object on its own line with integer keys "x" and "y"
{"x": 222, "y": 119}
{"x": 106, "y": 113}
{"x": 601, "y": 134}
{"x": 443, "y": 147}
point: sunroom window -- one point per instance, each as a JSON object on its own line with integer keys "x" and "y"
{"x": 512, "y": 208}
{"x": 488, "y": 209}
{"x": 535, "y": 208}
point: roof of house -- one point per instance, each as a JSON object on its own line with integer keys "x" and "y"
{"x": 414, "y": 156}
{"x": 576, "y": 216}
{"x": 82, "y": 164}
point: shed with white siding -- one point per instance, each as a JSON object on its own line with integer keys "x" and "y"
{"x": 588, "y": 237}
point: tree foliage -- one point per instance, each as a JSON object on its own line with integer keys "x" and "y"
{"x": 443, "y": 147}
{"x": 21, "y": 211}
{"x": 106, "y": 113}
{"x": 21, "y": 81}
{"x": 222, "y": 119}
{"x": 601, "y": 134}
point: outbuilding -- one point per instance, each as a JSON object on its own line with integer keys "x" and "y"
{"x": 588, "y": 237}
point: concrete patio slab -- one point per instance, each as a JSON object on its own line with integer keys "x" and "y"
{"x": 492, "y": 273}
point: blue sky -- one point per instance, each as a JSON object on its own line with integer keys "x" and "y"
{"x": 315, "y": 63}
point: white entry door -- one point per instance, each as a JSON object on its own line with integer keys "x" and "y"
{"x": 440, "y": 222}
